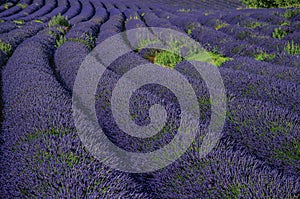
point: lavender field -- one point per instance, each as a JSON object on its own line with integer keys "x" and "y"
{"x": 43, "y": 44}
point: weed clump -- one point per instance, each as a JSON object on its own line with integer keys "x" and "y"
{"x": 59, "y": 20}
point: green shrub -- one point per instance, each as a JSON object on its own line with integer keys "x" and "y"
{"x": 253, "y": 25}
{"x": 271, "y": 3}
{"x": 86, "y": 39}
{"x": 263, "y": 56}
{"x": 23, "y": 6}
{"x": 60, "y": 21}
{"x": 279, "y": 33}
{"x": 220, "y": 25}
{"x": 5, "y": 47}
{"x": 38, "y": 21}
{"x": 6, "y": 5}
{"x": 285, "y": 23}
{"x": 292, "y": 48}
{"x": 291, "y": 13}
{"x": 167, "y": 58}
{"x": 20, "y": 22}
{"x": 60, "y": 40}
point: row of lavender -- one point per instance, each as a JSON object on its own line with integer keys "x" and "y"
{"x": 239, "y": 166}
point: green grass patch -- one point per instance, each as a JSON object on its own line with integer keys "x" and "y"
{"x": 38, "y": 21}
{"x": 6, "y": 47}
{"x": 263, "y": 56}
{"x": 60, "y": 41}
{"x": 167, "y": 59}
{"x": 23, "y": 6}
{"x": 20, "y": 22}
{"x": 210, "y": 57}
{"x": 220, "y": 25}
{"x": 291, "y": 13}
{"x": 253, "y": 25}
{"x": 184, "y": 10}
{"x": 6, "y": 6}
{"x": 189, "y": 31}
{"x": 292, "y": 48}
{"x": 279, "y": 33}
{"x": 271, "y": 3}
{"x": 59, "y": 20}
{"x": 285, "y": 23}
{"x": 170, "y": 59}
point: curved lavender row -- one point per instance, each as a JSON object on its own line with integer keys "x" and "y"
{"x": 66, "y": 64}
{"x": 227, "y": 172}
{"x": 253, "y": 86}
{"x": 133, "y": 21}
{"x": 90, "y": 27}
{"x": 75, "y": 9}
{"x": 45, "y": 9}
{"x": 84, "y": 29}
{"x": 3, "y": 6}
{"x": 86, "y": 13}
{"x": 289, "y": 74}
{"x": 153, "y": 21}
{"x": 32, "y": 7}
{"x": 100, "y": 16}
{"x": 16, "y": 36}
{"x": 62, "y": 7}
{"x": 3, "y": 58}
{"x": 132, "y": 17}
{"x": 112, "y": 26}
{"x": 96, "y": 3}
{"x": 120, "y": 6}
{"x": 108, "y": 4}
{"x": 7, "y": 26}
{"x": 11, "y": 11}
{"x": 42, "y": 157}
{"x": 164, "y": 14}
